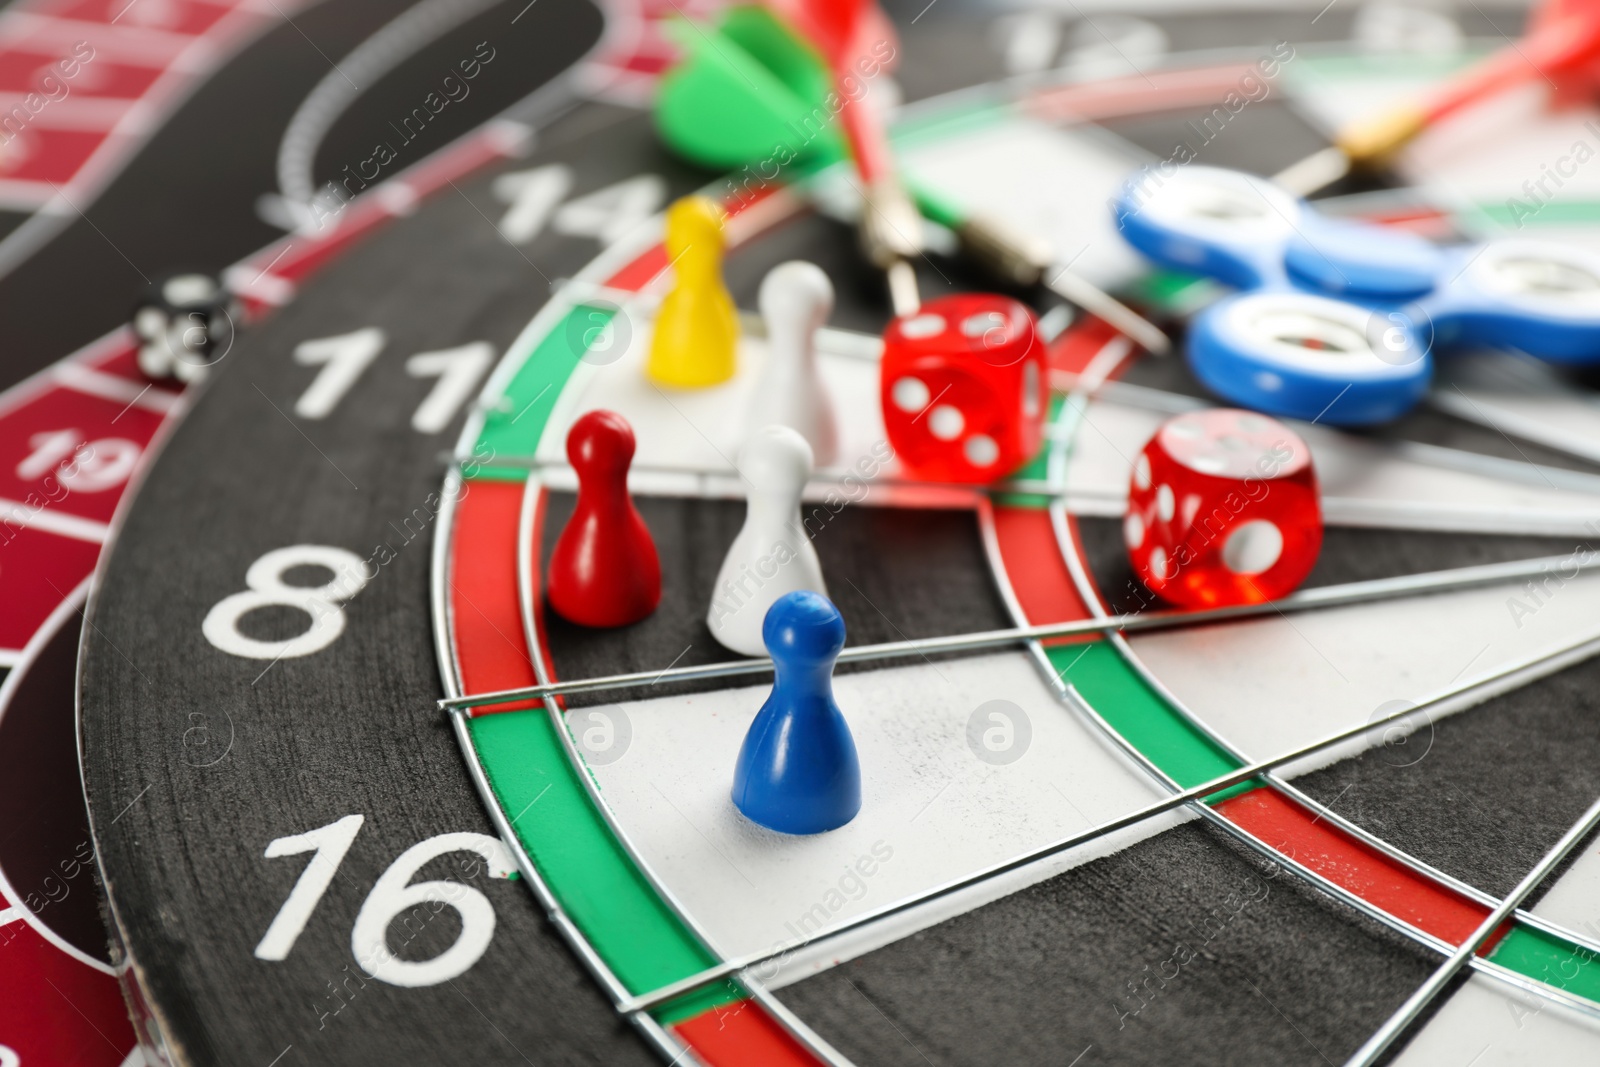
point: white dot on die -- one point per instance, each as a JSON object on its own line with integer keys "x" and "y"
{"x": 150, "y": 323}
{"x": 946, "y": 422}
{"x": 1158, "y": 562}
{"x": 981, "y": 450}
{"x": 1141, "y": 473}
{"x": 1166, "y": 503}
{"x": 981, "y": 323}
{"x": 1133, "y": 529}
{"x": 910, "y": 394}
{"x": 921, "y": 326}
{"x": 188, "y": 289}
{"x": 1208, "y": 464}
{"x": 1269, "y": 381}
{"x": 1253, "y": 547}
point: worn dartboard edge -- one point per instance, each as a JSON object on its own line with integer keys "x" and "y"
{"x": 355, "y": 728}
{"x": 187, "y": 198}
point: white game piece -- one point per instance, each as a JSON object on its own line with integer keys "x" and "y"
{"x": 772, "y": 554}
{"x": 796, "y": 300}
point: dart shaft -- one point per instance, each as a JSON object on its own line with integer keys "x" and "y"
{"x": 1109, "y": 309}
{"x": 1025, "y": 260}
{"x": 1306, "y": 600}
{"x": 1548, "y": 49}
{"x": 891, "y": 237}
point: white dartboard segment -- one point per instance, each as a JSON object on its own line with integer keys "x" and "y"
{"x": 1573, "y": 901}
{"x": 1489, "y": 1024}
{"x": 699, "y": 431}
{"x": 1027, "y": 193}
{"x": 1521, "y": 396}
{"x": 932, "y": 809}
{"x": 1276, "y": 683}
{"x": 1364, "y": 481}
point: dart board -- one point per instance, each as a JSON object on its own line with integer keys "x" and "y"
{"x": 357, "y": 796}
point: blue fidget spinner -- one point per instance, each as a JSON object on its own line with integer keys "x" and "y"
{"x": 1337, "y": 319}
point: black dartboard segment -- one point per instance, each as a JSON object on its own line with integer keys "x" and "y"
{"x": 880, "y": 598}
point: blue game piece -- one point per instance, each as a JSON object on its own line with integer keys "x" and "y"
{"x": 797, "y": 771}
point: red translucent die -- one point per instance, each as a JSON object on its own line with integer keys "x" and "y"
{"x": 963, "y": 388}
{"x": 1223, "y": 509}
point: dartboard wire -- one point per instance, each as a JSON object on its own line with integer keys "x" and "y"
{"x": 1587, "y": 646}
{"x": 1363, "y": 512}
{"x": 1159, "y": 807}
{"x": 665, "y": 1043}
{"x": 1322, "y": 597}
{"x": 1521, "y": 426}
{"x": 1089, "y": 594}
{"x": 1355, "y": 510}
{"x": 528, "y": 549}
{"x": 470, "y": 433}
{"x": 1496, "y": 467}
{"x": 1397, "y": 1024}
{"x": 794, "y": 1024}
{"x": 676, "y": 1051}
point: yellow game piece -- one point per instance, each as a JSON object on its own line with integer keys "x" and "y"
{"x": 697, "y": 330}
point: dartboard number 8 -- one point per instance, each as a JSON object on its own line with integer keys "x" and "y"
{"x": 266, "y": 588}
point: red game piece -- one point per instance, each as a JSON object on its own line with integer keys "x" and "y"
{"x": 1223, "y": 510}
{"x": 962, "y": 385}
{"x": 604, "y": 570}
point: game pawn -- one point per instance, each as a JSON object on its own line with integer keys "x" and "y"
{"x": 772, "y": 555}
{"x": 796, "y": 299}
{"x": 798, "y": 772}
{"x": 604, "y": 570}
{"x": 696, "y": 334}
